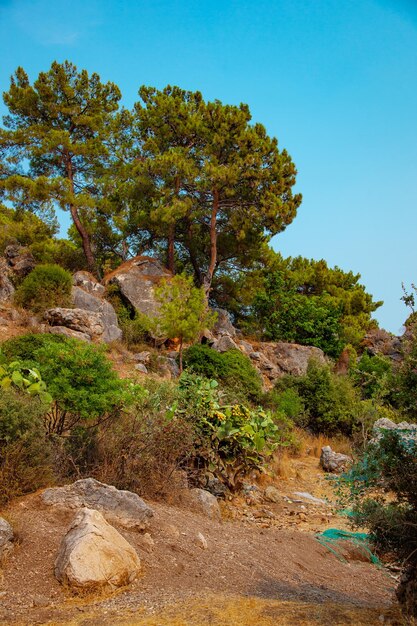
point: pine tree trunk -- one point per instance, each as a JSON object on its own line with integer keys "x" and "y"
{"x": 208, "y": 278}
{"x": 181, "y": 342}
{"x": 85, "y": 240}
{"x": 171, "y": 249}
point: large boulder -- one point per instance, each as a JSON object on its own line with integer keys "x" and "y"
{"x": 76, "y": 319}
{"x": 87, "y": 301}
{"x": 6, "y": 536}
{"x": 273, "y": 360}
{"x": 136, "y": 280}
{"x": 93, "y": 554}
{"x": 122, "y": 507}
{"x": 204, "y": 502}
{"x": 334, "y": 462}
{"x": 6, "y": 285}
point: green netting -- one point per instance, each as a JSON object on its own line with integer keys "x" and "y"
{"x": 332, "y": 537}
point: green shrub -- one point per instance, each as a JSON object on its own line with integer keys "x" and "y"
{"x": 25, "y": 454}
{"x": 47, "y": 286}
{"x": 372, "y": 375}
{"x": 288, "y": 402}
{"x": 382, "y": 487}
{"x": 231, "y": 440}
{"x": 232, "y": 368}
{"x": 59, "y": 251}
{"x": 84, "y": 387}
{"x": 330, "y": 402}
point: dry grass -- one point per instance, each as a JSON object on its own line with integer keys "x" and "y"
{"x": 311, "y": 445}
{"x": 281, "y": 466}
{"x": 238, "y": 611}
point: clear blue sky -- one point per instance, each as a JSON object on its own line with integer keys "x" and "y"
{"x": 334, "y": 80}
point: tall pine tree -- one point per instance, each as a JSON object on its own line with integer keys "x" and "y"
{"x": 55, "y": 142}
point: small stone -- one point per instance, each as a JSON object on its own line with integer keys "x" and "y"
{"x": 202, "y": 541}
{"x": 140, "y": 367}
{"x": 272, "y": 494}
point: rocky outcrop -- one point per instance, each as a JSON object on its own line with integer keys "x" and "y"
{"x": 93, "y": 554}
{"x": 407, "y": 431}
{"x": 122, "y": 507}
{"x": 76, "y": 319}
{"x": 379, "y": 341}
{"x": 333, "y": 462}
{"x": 17, "y": 262}
{"x": 136, "y": 279}
{"x": 6, "y": 537}
{"x": 87, "y": 301}
{"x": 20, "y": 260}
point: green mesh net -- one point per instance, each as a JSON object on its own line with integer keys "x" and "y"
{"x": 332, "y": 539}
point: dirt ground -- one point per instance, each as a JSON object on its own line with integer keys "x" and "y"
{"x": 262, "y": 565}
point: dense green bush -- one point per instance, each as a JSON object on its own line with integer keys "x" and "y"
{"x": 45, "y": 287}
{"x": 382, "y": 487}
{"x": 25, "y": 454}
{"x": 328, "y": 403}
{"x": 79, "y": 377}
{"x": 232, "y": 369}
{"x": 373, "y": 376}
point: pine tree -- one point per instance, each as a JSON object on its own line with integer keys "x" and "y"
{"x": 55, "y": 142}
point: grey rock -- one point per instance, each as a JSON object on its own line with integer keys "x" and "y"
{"x": 272, "y": 494}
{"x": 332, "y": 461}
{"x": 67, "y": 332}
{"x": 142, "y": 357}
{"x": 94, "y": 304}
{"x": 224, "y": 343}
{"x": 140, "y": 367}
{"x": 137, "y": 280}
{"x": 277, "y": 359}
{"x": 20, "y": 260}
{"x": 246, "y": 347}
{"x": 93, "y": 554}
{"x": 215, "y": 487}
{"x": 77, "y": 319}
{"x": 6, "y": 286}
{"x": 87, "y": 281}
{"x": 307, "y": 496}
{"x": 223, "y": 325}
{"x": 205, "y": 503}
{"x": 255, "y": 356}
{"x": 379, "y": 341}
{"x": 6, "y": 536}
{"x": 122, "y": 507}
{"x": 407, "y": 431}
{"x": 173, "y": 367}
